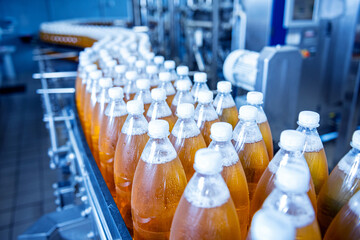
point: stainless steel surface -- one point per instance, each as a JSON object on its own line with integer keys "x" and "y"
{"x": 70, "y": 74}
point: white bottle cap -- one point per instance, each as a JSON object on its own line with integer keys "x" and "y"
{"x": 151, "y": 69}
{"x": 182, "y": 70}
{"x": 183, "y": 85}
{"x": 200, "y": 77}
{"x": 254, "y": 98}
{"x": 140, "y": 64}
{"x": 269, "y": 224}
{"x": 164, "y": 76}
{"x": 116, "y": 93}
{"x": 95, "y": 74}
{"x": 158, "y": 94}
{"x": 355, "y": 143}
{"x": 169, "y": 64}
{"x": 131, "y": 59}
{"x": 224, "y": 86}
{"x": 90, "y": 68}
{"x": 185, "y": 110}
{"x": 131, "y": 75}
{"x": 158, "y": 128}
{"x": 143, "y": 84}
{"x": 205, "y": 96}
{"x": 293, "y": 178}
{"x": 135, "y": 107}
{"x": 208, "y": 161}
{"x": 221, "y": 131}
{"x": 105, "y": 82}
{"x": 120, "y": 69}
{"x": 309, "y": 119}
{"x": 292, "y": 140}
{"x": 149, "y": 56}
{"x": 159, "y": 59}
{"x": 111, "y": 63}
{"x": 248, "y": 113}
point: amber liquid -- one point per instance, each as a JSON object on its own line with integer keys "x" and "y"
{"x": 235, "y": 179}
{"x": 129, "y": 96}
{"x": 310, "y": 231}
{"x": 169, "y": 99}
{"x": 97, "y": 117}
{"x": 146, "y": 108}
{"x": 156, "y": 192}
{"x": 173, "y": 109}
{"x": 127, "y": 154}
{"x": 267, "y": 136}
{"x": 318, "y": 168}
{"x": 82, "y": 103}
{"x": 170, "y": 119}
{"x": 205, "y": 130}
{"x": 229, "y": 115}
{"x": 186, "y": 149}
{"x": 88, "y": 110}
{"x": 192, "y": 222}
{"x": 78, "y": 93}
{"x": 334, "y": 194}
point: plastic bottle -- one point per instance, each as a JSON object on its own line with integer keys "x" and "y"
{"x": 186, "y": 138}
{"x": 140, "y": 68}
{"x": 102, "y": 100}
{"x": 268, "y": 224}
{"x": 111, "y": 124}
{"x": 80, "y": 84}
{"x": 200, "y": 80}
{"x": 159, "y": 62}
{"x": 86, "y": 80}
{"x": 119, "y": 78}
{"x": 132, "y": 140}
{"x": 152, "y": 75}
{"x": 130, "y": 87}
{"x": 131, "y": 63}
{"x": 183, "y": 74}
{"x": 159, "y": 182}
{"x": 159, "y": 108}
{"x": 291, "y": 146}
{"x": 289, "y": 197}
{"x": 182, "y": 95}
{"x": 169, "y": 66}
{"x": 346, "y": 224}
{"x": 109, "y": 68}
{"x": 206, "y": 210}
{"x": 225, "y": 105}
{"x": 250, "y": 147}
{"x": 233, "y": 172}
{"x": 256, "y": 99}
{"x": 165, "y": 83}
{"x": 205, "y": 114}
{"x": 342, "y": 184}
{"x": 314, "y": 152}
{"x": 143, "y": 94}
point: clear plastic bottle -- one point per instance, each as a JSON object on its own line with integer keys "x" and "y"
{"x": 182, "y": 95}
{"x": 346, "y": 224}
{"x": 225, "y": 105}
{"x": 80, "y": 80}
{"x": 289, "y": 197}
{"x": 268, "y": 224}
{"x": 159, "y": 62}
{"x": 183, "y": 74}
{"x": 206, "y": 210}
{"x": 119, "y": 78}
{"x": 86, "y": 80}
{"x": 140, "y": 68}
{"x": 250, "y": 147}
{"x": 132, "y": 140}
{"x": 256, "y": 99}
{"x": 159, "y": 108}
{"x": 152, "y": 75}
{"x": 291, "y": 146}
{"x": 186, "y": 138}
{"x": 314, "y": 152}
{"x": 200, "y": 80}
{"x": 205, "y": 114}
{"x": 159, "y": 182}
{"x": 342, "y": 184}
{"x": 165, "y": 83}
{"x": 131, "y": 63}
{"x": 109, "y": 68}
{"x": 130, "y": 88}
{"x": 102, "y": 100}
{"x": 233, "y": 172}
{"x": 143, "y": 94}
{"x": 169, "y": 66}
{"x": 111, "y": 124}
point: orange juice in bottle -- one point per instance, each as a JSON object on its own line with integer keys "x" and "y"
{"x": 169, "y": 66}
{"x": 314, "y": 152}
{"x": 182, "y": 95}
{"x": 81, "y": 74}
{"x": 159, "y": 108}
{"x": 200, "y": 79}
{"x": 183, "y": 75}
{"x": 225, "y": 105}
{"x": 186, "y": 137}
{"x": 102, "y": 100}
{"x": 84, "y": 83}
{"x": 158, "y": 184}
{"x": 143, "y": 94}
{"x": 206, "y": 210}
{"x": 152, "y": 75}
{"x": 119, "y": 76}
{"x": 256, "y": 99}
{"x": 132, "y": 140}
{"x": 250, "y": 147}
{"x": 342, "y": 184}
{"x": 165, "y": 83}
{"x": 112, "y": 122}
{"x": 205, "y": 114}
{"x": 130, "y": 88}
{"x": 233, "y": 172}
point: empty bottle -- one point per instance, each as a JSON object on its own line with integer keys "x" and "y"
{"x": 186, "y": 137}
{"x": 159, "y": 62}
{"x": 225, "y": 105}
{"x": 183, "y": 74}
{"x": 143, "y": 94}
{"x": 342, "y": 184}
{"x": 112, "y": 122}
{"x": 289, "y": 197}
{"x": 132, "y": 140}
{"x": 159, "y": 182}
{"x": 152, "y": 75}
{"x": 314, "y": 152}
{"x": 182, "y": 95}
{"x": 169, "y": 66}
{"x": 205, "y": 114}
{"x": 233, "y": 172}
{"x": 256, "y": 99}
{"x": 200, "y": 79}
{"x": 206, "y": 210}
{"x": 119, "y": 77}
{"x": 165, "y": 83}
{"x": 130, "y": 87}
